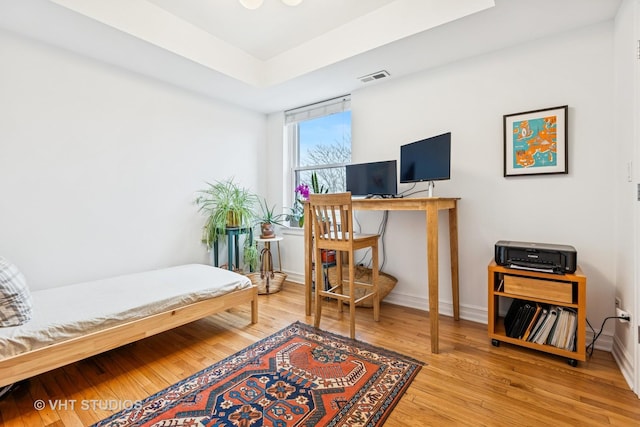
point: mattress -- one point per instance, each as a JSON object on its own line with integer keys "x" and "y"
{"x": 71, "y": 311}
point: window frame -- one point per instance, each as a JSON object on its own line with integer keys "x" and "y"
{"x": 292, "y": 140}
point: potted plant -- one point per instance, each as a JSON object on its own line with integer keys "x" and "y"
{"x": 302, "y": 191}
{"x": 250, "y": 254}
{"x": 267, "y": 219}
{"x": 296, "y": 212}
{"x": 226, "y": 205}
{"x": 316, "y": 186}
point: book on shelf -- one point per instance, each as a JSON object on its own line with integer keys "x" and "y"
{"x": 532, "y": 322}
{"x": 542, "y": 316}
{"x": 570, "y": 343}
{"x": 558, "y": 331}
{"x": 550, "y": 325}
{"x": 542, "y": 324}
{"x": 519, "y": 318}
{"x": 529, "y": 311}
{"x": 517, "y": 324}
{"x": 511, "y": 316}
{"x": 564, "y": 333}
{"x": 545, "y": 329}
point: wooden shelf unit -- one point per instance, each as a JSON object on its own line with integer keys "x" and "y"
{"x": 566, "y": 290}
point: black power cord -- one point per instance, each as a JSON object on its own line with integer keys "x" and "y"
{"x": 590, "y": 347}
{"x": 382, "y": 228}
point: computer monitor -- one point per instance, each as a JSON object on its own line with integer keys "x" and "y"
{"x": 426, "y": 160}
{"x": 372, "y": 179}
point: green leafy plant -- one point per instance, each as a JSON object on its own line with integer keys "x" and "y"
{"x": 267, "y": 219}
{"x": 226, "y": 204}
{"x": 268, "y": 214}
{"x": 296, "y": 215}
{"x": 302, "y": 191}
{"x": 250, "y": 254}
{"x": 315, "y": 186}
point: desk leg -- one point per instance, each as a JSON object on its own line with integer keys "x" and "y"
{"x": 308, "y": 249}
{"x": 453, "y": 242}
{"x": 432, "y": 267}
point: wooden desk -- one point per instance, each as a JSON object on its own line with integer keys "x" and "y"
{"x": 430, "y": 206}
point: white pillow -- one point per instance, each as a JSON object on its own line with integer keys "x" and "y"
{"x": 15, "y": 298}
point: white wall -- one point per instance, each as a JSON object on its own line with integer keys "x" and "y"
{"x": 469, "y": 98}
{"x": 625, "y": 122}
{"x": 99, "y": 167}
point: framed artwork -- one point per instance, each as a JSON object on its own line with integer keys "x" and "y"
{"x": 535, "y": 142}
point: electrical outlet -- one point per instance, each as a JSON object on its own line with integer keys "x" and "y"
{"x": 622, "y": 313}
{"x": 618, "y": 302}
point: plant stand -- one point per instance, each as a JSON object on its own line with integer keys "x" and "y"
{"x": 233, "y": 235}
{"x": 270, "y": 280}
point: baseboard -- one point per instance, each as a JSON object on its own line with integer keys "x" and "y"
{"x": 292, "y": 276}
{"x": 479, "y": 315}
{"x": 624, "y": 361}
{"x": 604, "y": 343}
{"x": 471, "y": 313}
{"x": 474, "y": 314}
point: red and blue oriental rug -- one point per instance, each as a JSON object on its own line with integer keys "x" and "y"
{"x": 299, "y": 376}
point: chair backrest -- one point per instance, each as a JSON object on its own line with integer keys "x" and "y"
{"x": 331, "y": 218}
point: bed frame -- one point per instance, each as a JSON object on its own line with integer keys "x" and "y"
{"x": 44, "y": 359}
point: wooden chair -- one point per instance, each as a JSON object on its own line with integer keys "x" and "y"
{"x": 332, "y": 222}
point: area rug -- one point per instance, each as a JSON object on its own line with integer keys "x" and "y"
{"x": 299, "y": 376}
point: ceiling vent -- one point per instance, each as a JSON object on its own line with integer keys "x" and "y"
{"x": 374, "y": 76}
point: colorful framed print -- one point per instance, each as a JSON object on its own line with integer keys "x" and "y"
{"x": 535, "y": 142}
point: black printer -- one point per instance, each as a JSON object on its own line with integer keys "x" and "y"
{"x": 545, "y": 257}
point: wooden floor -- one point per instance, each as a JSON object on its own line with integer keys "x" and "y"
{"x": 469, "y": 383}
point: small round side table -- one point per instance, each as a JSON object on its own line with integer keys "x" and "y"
{"x": 266, "y": 262}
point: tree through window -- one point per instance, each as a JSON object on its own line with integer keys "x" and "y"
{"x": 319, "y": 139}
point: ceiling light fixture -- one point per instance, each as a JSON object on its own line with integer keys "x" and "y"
{"x": 254, "y": 4}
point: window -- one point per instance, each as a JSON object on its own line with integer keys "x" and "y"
{"x": 319, "y": 140}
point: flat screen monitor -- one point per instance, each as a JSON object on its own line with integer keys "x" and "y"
{"x": 426, "y": 160}
{"x": 372, "y": 179}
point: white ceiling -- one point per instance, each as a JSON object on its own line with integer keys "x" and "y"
{"x": 279, "y": 57}
{"x": 274, "y": 27}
